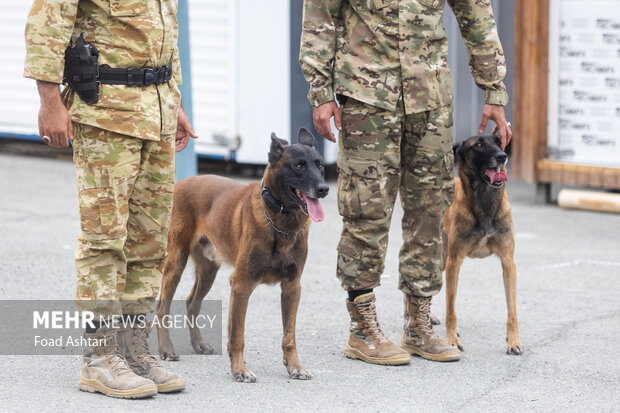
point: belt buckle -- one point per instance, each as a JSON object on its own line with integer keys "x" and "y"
{"x": 150, "y": 76}
{"x": 161, "y": 75}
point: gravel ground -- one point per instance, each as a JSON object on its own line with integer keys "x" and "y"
{"x": 568, "y": 266}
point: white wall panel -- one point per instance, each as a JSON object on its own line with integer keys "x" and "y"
{"x": 19, "y": 101}
{"x": 213, "y": 44}
{"x": 240, "y": 75}
{"x": 264, "y": 77}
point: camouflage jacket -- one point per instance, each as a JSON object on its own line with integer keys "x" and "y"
{"x": 374, "y": 50}
{"x": 127, "y": 33}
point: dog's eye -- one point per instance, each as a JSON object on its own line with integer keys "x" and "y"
{"x": 479, "y": 144}
{"x": 300, "y": 166}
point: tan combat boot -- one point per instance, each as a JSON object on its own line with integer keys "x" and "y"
{"x": 135, "y": 348}
{"x": 419, "y": 337}
{"x": 106, "y": 371}
{"x": 366, "y": 341}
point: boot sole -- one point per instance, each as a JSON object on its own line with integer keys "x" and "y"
{"x": 172, "y": 386}
{"x": 395, "y": 360}
{"x": 94, "y": 386}
{"x": 454, "y": 355}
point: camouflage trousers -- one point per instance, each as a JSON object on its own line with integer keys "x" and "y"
{"x": 125, "y": 200}
{"x": 382, "y": 154}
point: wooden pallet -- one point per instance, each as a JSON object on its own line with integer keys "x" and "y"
{"x": 555, "y": 172}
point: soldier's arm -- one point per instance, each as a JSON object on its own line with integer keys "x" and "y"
{"x": 486, "y": 60}
{"x": 486, "y": 56}
{"x": 48, "y": 33}
{"x": 54, "y": 121}
{"x": 176, "y": 67}
{"x": 321, "y": 22}
{"x": 318, "y": 47}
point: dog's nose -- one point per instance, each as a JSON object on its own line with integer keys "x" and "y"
{"x": 501, "y": 157}
{"x": 322, "y": 190}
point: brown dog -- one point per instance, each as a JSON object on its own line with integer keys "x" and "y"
{"x": 261, "y": 229}
{"x": 478, "y": 224}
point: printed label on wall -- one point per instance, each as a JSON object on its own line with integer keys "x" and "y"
{"x": 588, "y": 82}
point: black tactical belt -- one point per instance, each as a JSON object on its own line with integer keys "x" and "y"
{"x": 145, "y": 76}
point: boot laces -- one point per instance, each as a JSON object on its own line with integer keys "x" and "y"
{"x": 140, "y": 341}
{"x": 369, "y": 316}
{"x": 116, "y": 360}
{"x": 424, "y": 318}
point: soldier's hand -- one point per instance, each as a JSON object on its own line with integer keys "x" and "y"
{"x": 184, "y": 131}
{"x": 54, "y": 121}
{"x": 496, "y": 114}
{"x": 321, "y": 116}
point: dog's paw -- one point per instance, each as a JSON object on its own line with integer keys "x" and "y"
{"x": 434, "y": 319}
{"x": 201, "y": 347}
{"x": 169, "y": 355}
{"x": 245, "y": 376}
{"x": 515, "y": 348}
{"x": 454, "y": 341}
{"x": 299, "y": 373}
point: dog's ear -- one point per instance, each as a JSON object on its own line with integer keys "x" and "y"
{"x": 277, "y": 147}
{"x": 460, "y": 151}
{"x": 306, "y": 138}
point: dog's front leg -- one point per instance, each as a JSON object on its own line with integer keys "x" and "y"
{"x": 453, "y": 265}
{"x": 291, "y": 292}
{"x": 173, "y": 270}
{"x": 509, "y": 270}
{"x": 239, "y": 296}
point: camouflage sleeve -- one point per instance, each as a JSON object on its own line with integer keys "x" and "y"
{"x": 48, "y": 33}
{"x": 318, "y": 47}
{"x": 486, "y": 56}
{"x": 176, "y": 67}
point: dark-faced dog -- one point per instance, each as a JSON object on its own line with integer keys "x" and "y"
{"x": 261, "y": 229}
{"x": 478, "y": 224}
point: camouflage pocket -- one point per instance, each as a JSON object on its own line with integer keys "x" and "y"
{"x": 485, "y": 66}
{"x": 99, "y": 214}
{"x": 379, "y": 4}
{"x": 447, "y": 187}
{"x": 359, "y": 189}
{"x": 436, "y": 4}
{"x": 370, "y": 5}
{"x": 427, "y": 170}
{"x": 128, "y": 8}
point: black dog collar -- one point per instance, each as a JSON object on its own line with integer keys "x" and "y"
{"x": 272, "y": 202}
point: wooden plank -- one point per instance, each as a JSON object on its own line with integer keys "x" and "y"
{"x": 530, "y": 92}
{"x": 549, "y": 171}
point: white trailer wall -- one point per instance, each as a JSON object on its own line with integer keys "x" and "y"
{"x": 240, "y": 76}
{"x": 19, "y": 101}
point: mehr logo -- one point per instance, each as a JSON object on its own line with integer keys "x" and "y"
{"x": 84, "y": 319}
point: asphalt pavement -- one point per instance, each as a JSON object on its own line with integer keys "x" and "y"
{"x": 568, "y": 284}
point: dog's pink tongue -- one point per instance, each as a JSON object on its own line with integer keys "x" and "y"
{"x": 315, "y": 209}
{"x": 496, "y": 175}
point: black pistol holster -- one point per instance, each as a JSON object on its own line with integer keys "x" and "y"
{"x": 85, "y": 76}
{"x": 82, "y": 70}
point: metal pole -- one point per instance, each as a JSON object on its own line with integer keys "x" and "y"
{"x": 186, "y": 162}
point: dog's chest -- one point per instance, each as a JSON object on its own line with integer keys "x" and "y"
{"x": 481, "y": 248}
{"x": 270, "y": 267}
{"x": 480, "y": 242}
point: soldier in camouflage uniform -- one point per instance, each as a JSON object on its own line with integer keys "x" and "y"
{"x": 386, "y": 60}
{"x": 124, "y": 149}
